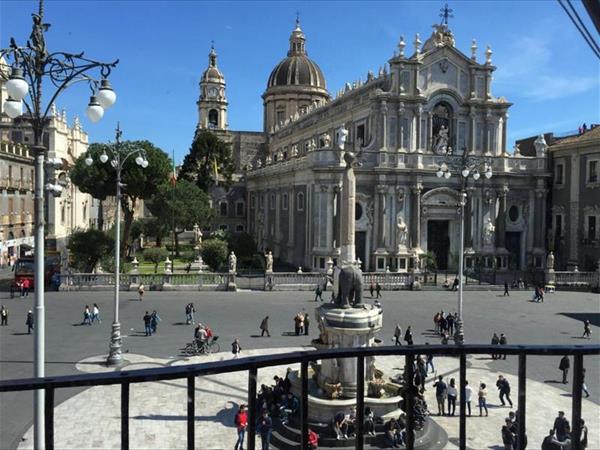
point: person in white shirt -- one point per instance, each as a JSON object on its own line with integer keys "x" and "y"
{"x": 468, "y": 396}
{"x": 452, "y": 393}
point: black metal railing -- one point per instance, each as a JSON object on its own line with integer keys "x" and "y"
{"x": 252, "y": 364}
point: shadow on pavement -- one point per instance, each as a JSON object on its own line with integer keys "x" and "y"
{"x": 593, "y": 317}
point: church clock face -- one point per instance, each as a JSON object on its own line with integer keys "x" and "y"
{"x": 213, "y": 92}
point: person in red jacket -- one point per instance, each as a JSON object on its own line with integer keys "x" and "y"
{"x": 241, "y": 422}
{"x": 313, "y": 440}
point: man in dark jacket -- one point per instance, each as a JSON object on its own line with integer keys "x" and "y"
{"x": 508, "y": 438}
{"x": 550, "y": 443}
{"x": 561, "y": 427}
{"x": 504, "y": 389}
{"x": 265, "y": 428}
{"x": 148, "y": 324}
{"x": 29, "y": 322}
{"x": 503, "y": 341}
{"x": 564, "y": 366}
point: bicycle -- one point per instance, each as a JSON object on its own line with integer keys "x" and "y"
{"x": 197, "y": 348}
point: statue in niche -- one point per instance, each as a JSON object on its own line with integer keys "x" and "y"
{"x": 401, "y": 231}
{"x": 269, "y": 261}
{"x": 342, "y": 137}
{"x": 488, "y": 232}
{"x": 441, "y": 141}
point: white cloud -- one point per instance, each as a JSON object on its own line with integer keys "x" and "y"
{"x": 528, "y": 55}
{"x": 551, "y": 88}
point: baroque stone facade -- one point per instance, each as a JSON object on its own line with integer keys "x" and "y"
{"x": 401, "y": 121}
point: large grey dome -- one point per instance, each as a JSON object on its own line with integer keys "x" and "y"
{"x": 297, "y": 69}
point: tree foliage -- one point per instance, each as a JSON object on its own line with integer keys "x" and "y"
{"x": 214, "y": 253}
{"x": 155, "y": 228}
{"x": 155, "y": 255}
{"x": 99, "y": 180}
{"x": 88, "y": 247}
{"x": 206, "y": 152}
{"x": 181, "y": 206}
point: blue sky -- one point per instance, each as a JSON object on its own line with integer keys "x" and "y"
{"x": 544, "y": 66}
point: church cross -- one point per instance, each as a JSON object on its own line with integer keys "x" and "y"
{"x": 446, "y": 13}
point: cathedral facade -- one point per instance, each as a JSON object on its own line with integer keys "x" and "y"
{"x": 428, "y": 106}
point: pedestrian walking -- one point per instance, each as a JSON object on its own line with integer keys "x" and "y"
{"x": 408, "y": 336}
{"x": 583, "y": 385}
{"x": 429, "y": 361}
{"x": 468, "y": 396}
{"x": 397, "y": 334}
{"x": 189, "y": 314}
{"x": 95, "y": 314}
{"x": 587, "y": 329}
{"x": 584, "y": 434}
{"x": 452, "y": 393}
{"x": 265, "y": 428}
{"x": 450, "y": 324}
{"x": 495, "y": 341}
{"x": 241, "y": 423}
{"x": 148, "y": 324}
{"x": 318, "y": 293}
{"x": 564, "y": 366}
{"x": 154, "y": 319}
{"x": 87, "y": 316}
{"x": 482, "y": 399}
{"x": 371, "y": 289}
{"x": 542, "y": 292}
{"x": 503, "y": 341}
{"x": 306, "y": 324}
{"x": 506, "y": 289}
{"x": 264, "y": 327}
{"x": 441, "y": 391}
{"x": 504, "y": 390}
{"x": 378, "y": 290}
{"x": 29, "y": 321}
{"x": 313, "y": 440}
{"x": 561, "y": 426}
{"x": 4, "y": 315}
{"x": 455, "y": 284}
{"x": 141, "y": 289}
{"x": 236, "y": 348}
{"x": 25, "y": 286}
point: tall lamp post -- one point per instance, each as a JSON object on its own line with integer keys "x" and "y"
{"x": 119, "y": 154}
{"x": 32, "y": 67}
{"x": 466, "y": 166}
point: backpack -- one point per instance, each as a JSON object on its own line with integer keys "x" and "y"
{"x": 209, "y": 333}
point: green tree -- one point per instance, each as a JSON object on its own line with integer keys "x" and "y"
{"x": 88, "y": 247}
{"x": 182, "y": 206}
{"x": 206, "y": 152}
{"x": 155, "y": 255}
{"x": 214, "y": 253}
{"x": 155, "y": 228}
{"x": 99, "y": 180}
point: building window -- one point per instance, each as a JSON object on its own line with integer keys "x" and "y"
{"x": 284, "y": 202}
{"x": 261, "y": 201}
{"x": 239, "y": 228}
{"x": 360, "y": 133}
{"x": 16, "y": 136}
{"x": 272, "y": 201}
{"x": 592, "y": 171}
{"x": 213, "y": 118}
{"x": 300, "y": 201}
{"x": 591, "y": 228}
{"x": 239, "y": 209}
{"x": 423, "y": 139}
{"x": 478, "y": 136}
{"x": 223, "y": 209}
{"x": 559, "y": 173}
{"x": 22, "y": 205}
{"x": 280, "y": 116}
{"x": 224, "y": 227}
{"x": 513, "y": 213}
{"x": 405, "y": 138}
{"x": 10, "y": 173}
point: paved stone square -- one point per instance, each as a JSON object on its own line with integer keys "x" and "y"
{"x": 558, "y": 320}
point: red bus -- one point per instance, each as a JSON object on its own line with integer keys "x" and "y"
{"x": 25, "y": 268}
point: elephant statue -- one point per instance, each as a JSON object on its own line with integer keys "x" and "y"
{"x": 350, "y": 287}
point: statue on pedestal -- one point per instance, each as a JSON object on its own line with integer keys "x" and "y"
{"x": 441, "y": 141}
{"x": 232, "y": 262}
{"x": 488, "y": 232}
{"x": 401, "y": 231}
{"x": 269, "y": 261}
{"x": 550, "y": 261}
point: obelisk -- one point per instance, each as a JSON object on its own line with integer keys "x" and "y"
{"x": 348, "y": 205}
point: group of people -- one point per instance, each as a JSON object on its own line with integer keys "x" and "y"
{"x": 538, "y": 294}
{"x": 151, "y": 322}
{"x": 89, "y": 316}
{"x": 202, "y": 333}
{"x": 443, "y": 324}
{"x": 301, "y": 323}
{"x": 22, "y": 285}
{"x": 510, "y": 433}
{"x": 408, "y": 336}
{"x": 375, "y": 288}
{"x": 499, "y": 340}
{"x": 559, "y": 437}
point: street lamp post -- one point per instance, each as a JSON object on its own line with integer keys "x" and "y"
{"x": 119, "y": 154}
{"x": 466, "y": 166}
{"x": 30, "y": 66}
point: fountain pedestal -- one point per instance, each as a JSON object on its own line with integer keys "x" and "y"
{"x": 343, "y": 328}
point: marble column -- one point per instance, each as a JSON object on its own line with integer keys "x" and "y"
{"x": 429, "y": 137}
{"x": 501, "y": 220}
{"x": 347, "y": 216}
{"x": 415, "y": 225}
{"x": 473, "y": 133}
{"x": 329, "y": 217}
{"x": 417, "y": 127}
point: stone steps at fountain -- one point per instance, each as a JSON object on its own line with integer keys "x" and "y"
{"x": 287, "y": 437}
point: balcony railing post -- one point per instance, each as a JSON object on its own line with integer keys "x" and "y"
{"x": 409, "y": 377}
{"x": 49, "y": 418}
{"x": 191, "y": 412}
{"x": 252, "y": 376}
{"x": 462, "y": 434}
{"x": 521, "y": 413}
{"x": 125, "y": 416}
{"x": 304, "y": 405}
{"x": 360, "y": 403}
{"x": 576, "y": 407}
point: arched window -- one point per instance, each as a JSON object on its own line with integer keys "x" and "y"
{"x": 213, "y": 118}
{"x": 223, "y": 209}
{"x": 300, "y": 201}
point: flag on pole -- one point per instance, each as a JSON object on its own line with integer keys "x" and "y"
{"x": 174, "y": 176}
{"x": 216, "y": 169}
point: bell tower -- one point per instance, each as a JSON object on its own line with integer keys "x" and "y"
{"x": 212, "y": 104}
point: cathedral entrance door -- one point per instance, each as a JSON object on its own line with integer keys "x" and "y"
{"x": 438, "y": 241}
{"x": 360, "y": 245}
{"x": 513, "y": 245}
